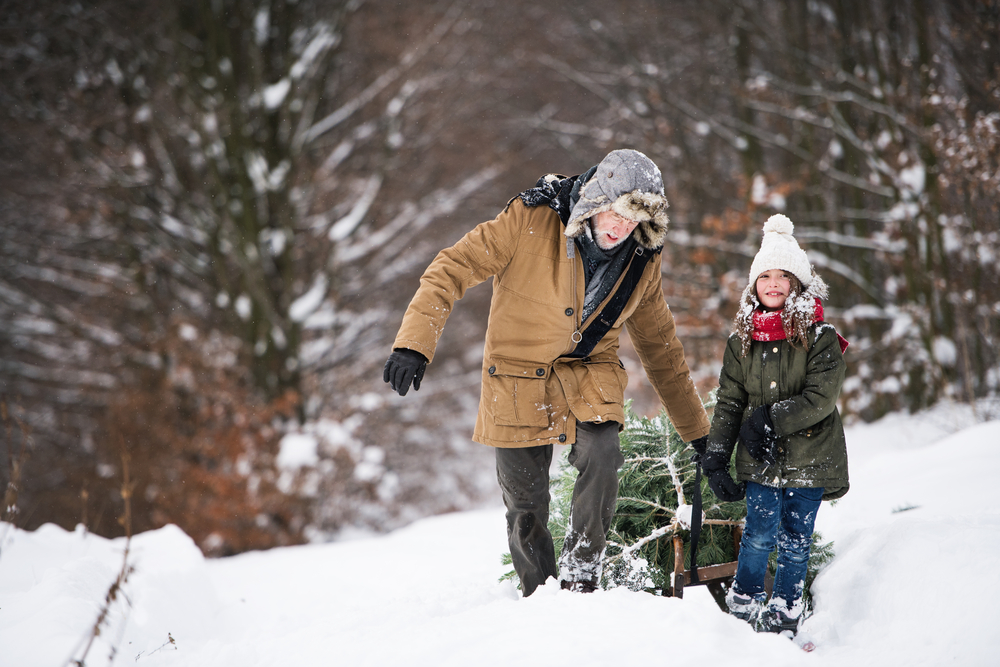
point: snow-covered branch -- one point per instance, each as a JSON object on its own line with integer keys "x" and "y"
{"x": 838, "y": 97}
{"x": 408, "y": 60}
{"x": 628, "y": 550}
{"x": 782, "y": 142}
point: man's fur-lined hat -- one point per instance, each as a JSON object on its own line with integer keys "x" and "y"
{"x": 628, "y": 183}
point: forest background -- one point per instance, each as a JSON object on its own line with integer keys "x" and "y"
{"x": 213, "y": 214}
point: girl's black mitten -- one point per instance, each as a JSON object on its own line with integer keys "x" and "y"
{"x": 724, "y": 487}
{"x": 402, "y": 367}
{"x": 758, "y": 435}
{"x": 715, "y": 463}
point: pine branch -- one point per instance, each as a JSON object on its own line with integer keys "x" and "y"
{"x": 650, "y": 503}
{"x": 671, "y": 528}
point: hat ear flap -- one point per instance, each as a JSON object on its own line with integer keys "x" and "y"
{"x": 651, "y": 233}
{"x": 649, "y": 209}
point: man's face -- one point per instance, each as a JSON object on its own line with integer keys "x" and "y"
{"x": 610, "y": 229}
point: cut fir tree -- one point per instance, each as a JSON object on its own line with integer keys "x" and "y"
{"x": 656, "y": 487}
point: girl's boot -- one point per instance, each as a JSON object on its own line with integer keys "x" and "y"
{"x": 779, "y": 616}
{"x": 743, "y": 606}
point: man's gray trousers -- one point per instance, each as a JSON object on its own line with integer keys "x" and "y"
{"x": 523, "y": 474}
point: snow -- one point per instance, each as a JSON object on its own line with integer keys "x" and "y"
{"x": 945, "y": 351}
{"x": 916, "y": 543}
{"x": 344, "y": 227}
{"x": 244, "y": 306}
{"x": 276, "y": 93}
{"x": 320, "y": 43}
{"x": 297, "y": 450}
{"x": 914, "y": 178}
{"x": 306, "y": 305}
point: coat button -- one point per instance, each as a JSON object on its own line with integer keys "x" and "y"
{"x": 493, "y": 369}
{"x": 773, "y": 384}
{"x": 540, "y": 372}
{"x": 562, "y": 437}
{"x": 775, "y": 349}
{"x": 569, "y": 312}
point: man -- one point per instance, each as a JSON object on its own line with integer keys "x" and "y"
{"x": 574, "y": 259}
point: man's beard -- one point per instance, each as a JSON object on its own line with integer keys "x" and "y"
{"x": 605, "y": 243}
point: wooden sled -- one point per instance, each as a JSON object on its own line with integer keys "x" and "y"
{"x": 717, "y": 578}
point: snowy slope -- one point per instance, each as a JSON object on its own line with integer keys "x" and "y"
{"x": 909, "y": 587}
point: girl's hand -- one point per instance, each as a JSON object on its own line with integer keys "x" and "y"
{"x": 724, "y": 487}
{"x": 715, "y": 463}
{"x": 758, "y": 435}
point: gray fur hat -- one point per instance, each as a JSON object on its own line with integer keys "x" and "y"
{"x": 628, "y": 183}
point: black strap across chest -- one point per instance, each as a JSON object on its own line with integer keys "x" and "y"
{"x": 613, "y": 309}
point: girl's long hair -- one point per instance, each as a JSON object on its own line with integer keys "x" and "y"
{"x": 796, "y": 317}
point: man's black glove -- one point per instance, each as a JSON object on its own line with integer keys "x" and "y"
{"x": 716, "y": 467}
{"x": 699, "y": 446}
{"x": 758, "y": 435}
{"x": 402, "y": 367}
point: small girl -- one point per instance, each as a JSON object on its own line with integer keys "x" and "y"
{"x": 782, "y": 373}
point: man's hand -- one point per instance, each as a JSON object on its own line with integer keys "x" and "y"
{"x": 699, "y": 445}
{"x": 402, "y": 367}
{"x": 759, "y": 436}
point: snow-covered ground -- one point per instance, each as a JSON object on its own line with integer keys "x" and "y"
{"x": 911, "y": 587}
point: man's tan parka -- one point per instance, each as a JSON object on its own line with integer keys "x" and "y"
{"x": 531, "y": 393}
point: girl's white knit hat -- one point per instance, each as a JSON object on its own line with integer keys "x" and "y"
{"x": 780, "y": 250}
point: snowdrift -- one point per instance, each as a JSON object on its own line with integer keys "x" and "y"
{"x": 917, "y": 542}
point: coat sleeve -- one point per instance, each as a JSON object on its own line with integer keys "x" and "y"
{"x": 654, "y": 334}
{"x": 730, "y": 401}
{"x": 825, "y": 371}
{"x": 481, "y": 253}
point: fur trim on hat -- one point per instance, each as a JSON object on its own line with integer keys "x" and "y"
{"x": 646, "y": 208}
{"x": 780, "y": 250}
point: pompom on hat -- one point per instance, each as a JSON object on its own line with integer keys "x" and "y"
{"x": 780, "y": 250}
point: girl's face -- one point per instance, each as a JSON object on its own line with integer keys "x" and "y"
{"x": 772, "y": 288}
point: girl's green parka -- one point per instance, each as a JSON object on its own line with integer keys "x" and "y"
{"x": 802, "y": 387}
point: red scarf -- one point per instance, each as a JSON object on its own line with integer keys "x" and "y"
{"x": 767, "y": 325}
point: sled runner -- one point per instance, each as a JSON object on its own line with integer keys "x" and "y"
{"x": 717, "y": 578}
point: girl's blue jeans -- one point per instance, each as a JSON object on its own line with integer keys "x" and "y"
{"x": 782, "y": 518}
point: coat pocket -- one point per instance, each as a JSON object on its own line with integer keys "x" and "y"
{"x": 606, "y": 381}
{"x": 514, "y": 392}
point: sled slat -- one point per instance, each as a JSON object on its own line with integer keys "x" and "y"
{"x": 709, "y": 573}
